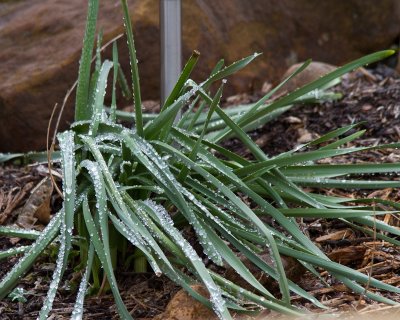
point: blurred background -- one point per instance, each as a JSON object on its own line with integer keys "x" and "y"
{"x": 41, "y": 40}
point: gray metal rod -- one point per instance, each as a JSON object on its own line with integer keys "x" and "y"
{"x": 171, "y": 47}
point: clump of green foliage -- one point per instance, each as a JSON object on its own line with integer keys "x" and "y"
{"x": 142, "y": 186}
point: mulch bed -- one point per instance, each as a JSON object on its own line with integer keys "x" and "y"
{"x": 371, "y": 96}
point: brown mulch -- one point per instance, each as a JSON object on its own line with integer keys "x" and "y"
{"x": 372, "y": 96}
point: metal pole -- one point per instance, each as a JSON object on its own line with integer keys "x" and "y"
{"x": 171, "y": 48}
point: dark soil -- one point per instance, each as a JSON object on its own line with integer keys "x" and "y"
{"x": 371, "y": 96}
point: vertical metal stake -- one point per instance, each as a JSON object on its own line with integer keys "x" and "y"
{"x": 171, "y": 48}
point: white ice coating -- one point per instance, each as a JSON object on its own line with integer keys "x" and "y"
{"x": 160, "y": 169}
{"x": 20, "y": 231}
{"x": 98, "y": 184}
{"x": 14, "y": 251}
{"x": 215, "y": 292}
{"x": 168, "y": 224}
{"x": 98, "y": 97}
{"x": 79, "y": 123}
{"x": 57, "y": 274}
{"x": 112, "y": 137}
{"x": 209, "y": 248}
{"x": 36, "y": 248}
{"x": 140, "y": 241}
{"x": 123, "y": 164}
{"x": 80, "y": 298}
{"x": 66, "y": 140}
{"x": 131, "y": 226}
{"x": 208, "y": 158}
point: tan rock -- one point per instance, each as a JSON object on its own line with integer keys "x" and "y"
{"x": 293, "y": 120}
{"x": 40, "y": 43}
{"x": 304, "y": 136}
{"x": 313, "y": 71}
{"x": 183, "y": 307}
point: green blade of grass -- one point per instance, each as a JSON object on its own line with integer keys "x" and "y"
{"x": 19, "y": 232}
{"x": 260, "y": 263}
{"x": 57, "y": 273}
{"x": 14, "y": 275}
{"x": 165, "y": 220}
{"x": 99, "y": 97}
{"x": 376, "y": 224}
{"x": 67, "y": 147}
{"x": 260, "y": 155}
{"x": 95, "y": 75}
{"x": 288, "y": 99}
{"x": 234, "y": 67}
{"x": 4, "y": 157}
{"x": 343, "y": 141}
{"x": 253, "y": 147}
{"x": 187, "y": 70}
{"x": 29, "y": 157}
{"x": 166, "y": 117}
{"x": 259, "y": 103}
{"x": 105, "y": 260}
{"x": 293, "y": 229}
{"x": 296, "y": 159}
{"x": 230, "y": 286}
{"x": 287, "y": 187}
{"x": 236, "y": 264}
{"x": 331, "y": 213}
{"x": 4, "y": 254}
{"x": 242, "y": 207}
{"x": 138, "y": 242}
{"x": 372, "y": 233}
{"x": 345, "y": 183}
{"x": 335, "y": 133}
{"x": 101, "y": 202}
{"x": 134, "y": 225}
{"x": 124, "y": 86}
{"x": 194, "y": 117}
{"x": 175, "y": 192}
{"x": 339, "y": 269}
{"x": 134, "y": 69}
{"x": 182, "y": 175}
{"x": 77, "y": 312}
{"x": 335, "y": 170}
{"x": 167, "y": 268}
{"x": 82, "y": 112}
{"x": 113, "y": 108}
{"x": 163, "y": 262}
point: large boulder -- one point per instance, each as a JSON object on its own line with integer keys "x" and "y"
{"x": 40, "y": 43}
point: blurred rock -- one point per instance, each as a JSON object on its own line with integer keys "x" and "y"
{"x": 293, "y": 120}
{"x": 41, "y": 40}
{"x": 241, "y": 98}
{"x": 183, "y": 307}
{"x": 313, "y": 71}
{"x": 305, "y": 136}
